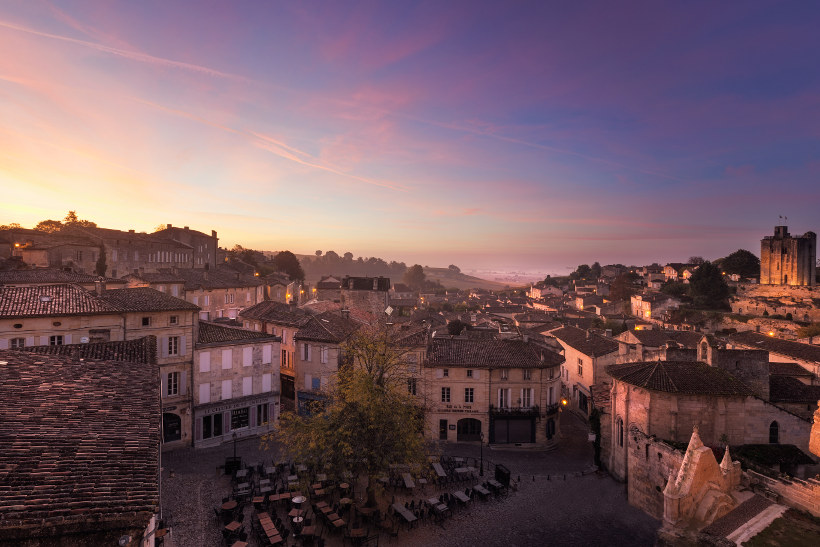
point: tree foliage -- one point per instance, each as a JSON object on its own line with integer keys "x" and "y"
{"x": 100, "y": 267}
{"x": 370, "y": 421}
{"x": 414, "y": 277}
{"x": 676, "y": 289}
{"x": 695, "y": 260}
{"x": 456, "y": 327}
{"x": 581, "y": 272}
{"x": 287, "y": 262}
{"x": 741, "y": 262}
{"x": 11, "y": 226}
{"x": 809, "y": 331}
{"x": 49, "y": 226}
{"x": 71, "y": 219}
{"x": 623, "y": 287}
{"x": 454, "y": 268}
{"x": 708, "y": 288}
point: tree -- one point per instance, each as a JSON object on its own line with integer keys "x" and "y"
{"x": 676, "y": 289}
{"x": 623, "y": 287}
{"x": 454, "y": 268}
{"x": 742, "y": 263}
{"x": 809, "y": 331}
{"x": 71, "y": 219}
{"x": 581, "y": 272}
{"x": 414, "y": 277}
{"x": 369, "y": 423}
{"x": 11, "y": 226}
{"x": 287, "y": 262}
{"x": 708, "y": 288}
{"x": 49, "y": 226}
{"x": 695, "y": 260}
{"x": 100, "y": 267}
{"x": 456, "y": 327}
{"x": 318, "y": 254}
{"x": 595, "y": 270}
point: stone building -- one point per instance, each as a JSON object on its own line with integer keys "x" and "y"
{"x": 651, "y": 306}
{"x": 369, "y": 294}
{"x": 284, "y": 321}
{"x": 319, "y": 354}
{"x": 236, "y": 383}
{"x": 203, "y": 246}
{"x": 328, "y": 288}
{"x": 220, "y": 292}
{"x": 787, "y": 259}
{"x": 506, "y": 390}
{"x": 80, "y": 459}
{"x": 55, "y": 276}
{"x": 586, "y": 355}
{"x": 782, "y": 351}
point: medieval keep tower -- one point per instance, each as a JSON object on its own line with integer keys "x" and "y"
{"x": 788, "y": 260}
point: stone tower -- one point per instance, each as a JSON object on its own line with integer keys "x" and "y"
{"x": 787, "y": 260}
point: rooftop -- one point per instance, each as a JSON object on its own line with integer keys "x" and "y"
{"x": 51, "y": 301}
{"x": 489, "y": 353}
{"x": 80, "y": 444}
{"x": 586, "y": 342}
{"x": 276, "y": 312}
{"x": 145, "y": 299}
{"x": 684, "y": 377}
{"x": 328, "y": 327}
{"x": 212, "y": 333}
{"x": 41, "y": 276}
{"x": 140, "y": 350}
{"x": 794, "y": 350}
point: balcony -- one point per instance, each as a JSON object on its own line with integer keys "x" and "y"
{"x": 515, "y": 411}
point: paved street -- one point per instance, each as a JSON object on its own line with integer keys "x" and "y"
{"x": 558, "y": 501}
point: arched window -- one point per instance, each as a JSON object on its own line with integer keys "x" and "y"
{"x": 620, "y": 432}
{"x": 774, "y": 433}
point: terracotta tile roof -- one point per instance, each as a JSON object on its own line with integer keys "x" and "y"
{"x": 155, "y": 277}
{"x": 80, "y": 444}
{"x": 785, "y": 389}
{"x": 600, "y": 396}
{"x": 212, "y": 333}
{"x": 788, "y": 369}
{"x": 141, "y": 350}
{"x": 218, "y": 278}
{"x": 794, "y": 350}
{"x": 51, "y": 301}
{"x": 50, "y": 275}
{"x": 685, "y": 377}
{"x": 327, "y": 327}
{"x": 657, "y": 338}
{"x": 489, "y": 353}
{"x": 586, "y": 342}
{"x": 401, "y": 287}
{"x": 737, "y": 517}
{"x": 276, "y": 312}
{"x": 145, "y": 299}
{"x": 533, "y": 318}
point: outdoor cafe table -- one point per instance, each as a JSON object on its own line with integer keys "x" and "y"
{"x": 481, "y": 490}
{"x": 308, "y": 531}
{"x": 293, "y": 478}
{"x": 298, "y": 500}
{"x": 461, "y": 496}
{"x": 495, "y": 484}
{"x": 233, "y": 526}
{"x": 321, "y": 477}
{"x": 239, "y": 543}
{"x": 405, "y": 512}
{"x": 408, "y": 480}
{"x": 439, "y": 470}
{"x": 241, "y": 474}
{"x": 229, "y": 505}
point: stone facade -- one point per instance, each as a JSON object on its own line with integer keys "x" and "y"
{"x": 368, "y": 294}
{"x": 203, "y": 246}
{"x": 650, "y": 463}
{"x": 787, "y": 259}
{"x": 802, "y": 494}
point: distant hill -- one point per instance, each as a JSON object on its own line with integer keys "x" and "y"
{"x": 449, "y": 278}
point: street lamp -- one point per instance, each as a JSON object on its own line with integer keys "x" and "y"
{"x": 481, "y": 450}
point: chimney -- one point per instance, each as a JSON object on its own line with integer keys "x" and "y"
{"x": 213, "y": 234}
{"x": 589, "y": 335}
{"x": 130, "y": 231}
{"x": 168, "y": 226}
{"x": 526, "y": 338}
{"x": 99, "y": 285}
{"x": 375, "y": 284}
{"x": 186, "y": 228}
{"x": 608, "y": 333}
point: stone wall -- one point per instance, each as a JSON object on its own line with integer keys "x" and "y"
{"x": 803, "y": 495}
{"x": 650, "y": 463}
{"x": 787, "y": 259}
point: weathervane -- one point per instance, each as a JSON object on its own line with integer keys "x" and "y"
{"x": 783, "y": 218}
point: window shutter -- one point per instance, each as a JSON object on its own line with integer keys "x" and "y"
{"x": 476, "y": 374}
{"x": 182, "y": 349}
{"x": 247, "y": 357}
{"x": 266, "y": 383}
{"x": 205, "y": 361}
{"x": 439, "y": 373}
{"x": 164, "y": 383}
{"x": 252, "y": 411}
{"x": 226, "y": 421}
{"x": 67, "y": 339}
{"x": 30, "y": 341}
{"x": 247, "y": 386}
{"x": 227, "y": 357}
{"x": 4, "y": 344}
{"x": 44, "y": 340}
{"x": 163, "y": 346}
{"x": 308, "y": 353}
{"x": 183, "y": 383}
{"x": 198, "y": 429}
{"x": 266, "y": 354}
{"x": 204, "y": 393}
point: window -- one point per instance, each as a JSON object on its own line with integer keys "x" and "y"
{"x": 247, "y": 386}
{"x": 505, "y": 374}
{"x": 204, "y": 393}
{"x": 18, "y": 343}
{"x": 774, "y": 433}
{"x": 580, "y": 367}
{"x": 445, "y": 395}
{"x": 227, "y": 387}
{"x": 527, "y": 374}
{"x": 173, "y": 345}
{"x": 315, "y": 383}
{"x": 305, "y": 352}
{"x": 240, "y": 417}
{"x": 411, "y": 386}
{"x": 173, "y": 384}
{"x": 552, "y": 373}
{"x": 146, "y": 321}
{"x": 469, "y": 394}
{"x": 620, "y": 431}
{"x": 323, "y": 354}
{"x": 196, "y": 301}
{"x": 446, "y": 372}
{"x": 469, "y": 373}
{"x": 229, "y": 298}
{"x": 526, "y": 397}
{"x": 174, "y": 320}
{"x": 284, "y": 358}
{"x": 56, "y": 340}
{"x": 262, "y": 414}
{"x": 206, "y": 300}
{"x": 503, "y": 397}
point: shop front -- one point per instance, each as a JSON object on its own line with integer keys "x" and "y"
{"x": 216, "y": 423}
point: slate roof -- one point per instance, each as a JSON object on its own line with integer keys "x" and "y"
{"x": 212, "y": 333}
{"x": 489, "y": 353}
{"x": 327, "y": 327}
{"x": 276, "y": 312}
{"x": 141, "y": 350}
{"x": 684, "y": 377}
{"x": 50, "y": 275}
{"x": 657, "y": 338}
{"x": 785, "y": 389}
{"x": 145, "y": 299}
{"x": 366, "y": 283}
{"x": 794, "y": 350}
{"x": 80, "y": 444}
{"x": 51, "y": 301}
{"x": 589, "y": 344}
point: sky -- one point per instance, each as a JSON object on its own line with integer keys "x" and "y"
{"x": 509, "y": 136}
